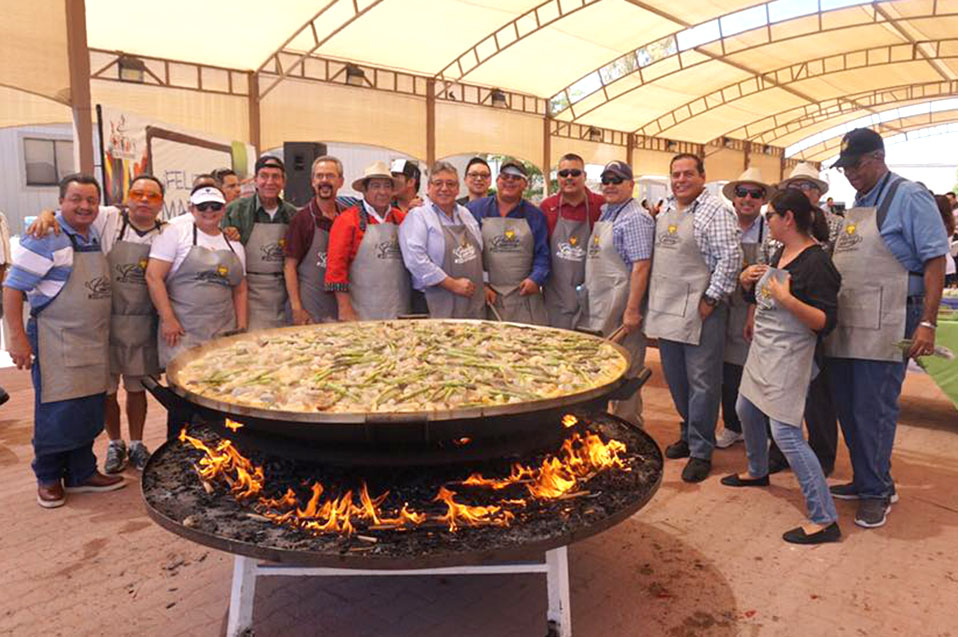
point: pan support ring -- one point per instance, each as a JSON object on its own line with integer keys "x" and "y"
{"x": 246, "y": 570}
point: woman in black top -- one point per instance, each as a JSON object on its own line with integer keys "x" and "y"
{"x": 796, "y": 304}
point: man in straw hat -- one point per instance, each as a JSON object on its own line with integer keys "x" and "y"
{"x": 748, "y": 194}
{"x": 805, "y": 177}
{"x": 364, "y": 265}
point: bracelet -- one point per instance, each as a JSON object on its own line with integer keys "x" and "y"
{"x": 928, "y": 324}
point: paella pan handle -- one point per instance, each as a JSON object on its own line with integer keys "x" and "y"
{"x": 163, "y": 394}
{"x": 615, "y": 336}
{"x": 630, "y": 385}
{"x": 494, "y": 311}
{"x": 412, "y": 317}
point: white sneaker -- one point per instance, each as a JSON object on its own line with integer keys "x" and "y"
{"x": 728, "y": 438}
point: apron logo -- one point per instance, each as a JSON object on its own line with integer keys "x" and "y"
{"x": 464, "y": 254}
{"x": 131, "y": 272}
{"x": 99, "y": 287}
{"x": 669, "y": 238}
{"x": 321, "y": 260}
{"x": 273, "y": 251}
{"x": 849, "y": 239}
{"x": 573, "y": 240}
{"x": 506, "y": 242}
{"x": 388, "y": 250}
{"x": 594, "y": 247}
{"x": 218, "y": 276}
{"x": 764, "y": 299}
{"x": 569, "y": 251}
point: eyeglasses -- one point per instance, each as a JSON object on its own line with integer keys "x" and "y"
{"x": 615, "y": 180}
{"x": 152, "y": 197}
{"x": 439, "y": 183}
{"x": 215, "y": 206}
{"x": 479, "y": 175}
{"x": 570, "y": 172}
{"x": 510, "y": 177}
{"x": 802, "y": 185}
{"x": 754, "y": 193}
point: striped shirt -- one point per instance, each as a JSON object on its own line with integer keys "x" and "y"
{"x": 633, "y": 230}
{"x": 716, "y": 232}
{"x": 42, "y": 266}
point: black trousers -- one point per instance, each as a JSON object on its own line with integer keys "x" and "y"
{"x": 822, "y": 423}
{"x": 731, "y": 379}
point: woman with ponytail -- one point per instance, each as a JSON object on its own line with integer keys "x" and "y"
{"x": 796, "y": 300}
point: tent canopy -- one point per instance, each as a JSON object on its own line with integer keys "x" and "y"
{"x": 703, "y": 71}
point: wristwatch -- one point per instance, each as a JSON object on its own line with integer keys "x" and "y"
{"x": 709, "y": 300}
{"x": 928, "y": 324}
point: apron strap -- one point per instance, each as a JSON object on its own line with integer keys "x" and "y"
{"x": 886, "y": 202}
{"x": 225, "y": 238}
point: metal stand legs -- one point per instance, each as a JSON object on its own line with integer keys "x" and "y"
{"x": 555, "y": 568}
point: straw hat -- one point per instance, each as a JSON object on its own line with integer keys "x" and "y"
{"x": 805, "y": 172}
{"x": 375, "y": 170}
{"x": 750, "y": 176}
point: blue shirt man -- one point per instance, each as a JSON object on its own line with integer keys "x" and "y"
{"x": 541, "y": 264}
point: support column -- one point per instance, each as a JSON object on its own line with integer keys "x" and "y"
{"x": 430, "y": 122}
{"x": 781, "y": 167}
{"x": 747, "y": 155}
{"x": 546, "y": 155}
{"x": 629, "y": 148}
{"x": 254, "y": 122}
{"x": 78, "y": 56}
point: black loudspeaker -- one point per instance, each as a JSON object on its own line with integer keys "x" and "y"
{"x": 299, "y": 157}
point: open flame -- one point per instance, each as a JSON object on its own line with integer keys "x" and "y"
{"x": 233, "y": 426}
{"x": 581, "y": 457}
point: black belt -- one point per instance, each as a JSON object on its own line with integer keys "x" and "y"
{"x": 916, "y": 299}
{"x": 266, "y": 273}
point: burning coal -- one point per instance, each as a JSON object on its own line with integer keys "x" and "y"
{"x": 581, "y": 457}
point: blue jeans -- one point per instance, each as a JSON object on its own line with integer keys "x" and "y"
{"x": 694, "y": 377}
{"x": 866, "y": 398}
{"x": 801, "y": 458}
{"x": 74, "y": 467}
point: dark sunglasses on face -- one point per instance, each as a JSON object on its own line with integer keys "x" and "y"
{"x": 802, "y": 185}
{"x": 754, "y": 193}
{"x": 209, "y": 205}
{"x": 570, "y": 172}
{"x": 615, "y": 180}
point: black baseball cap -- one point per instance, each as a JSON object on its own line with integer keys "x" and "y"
{"x": 619, "y": 169}
{"x": 269, "y": 161}
{"x": 856, "y": 143}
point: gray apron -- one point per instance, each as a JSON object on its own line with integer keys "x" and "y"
{"x": 73, "y": 338}
{"x": 736, "y": 347}
{"x": 462, "y": 259}
{"x": 872, "y": 300}
{"x": 779, "y": 365}
{"x": 568, "y": 249}
{"x": 679, "y": 278}
{"x": 508, "y": 248}
{"x": 311, "y": 273}
{"x": 201, "y": 292}
{"x": 133, "y": 321}
{"x": 378, "y": 281}
{"x": 264, "y": 275}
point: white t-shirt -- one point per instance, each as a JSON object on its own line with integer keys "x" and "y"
{"x": 108, "y": 223}
{"x": 174, "y": 244}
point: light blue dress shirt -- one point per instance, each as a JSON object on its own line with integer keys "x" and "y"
{"x": 423, "y": 242}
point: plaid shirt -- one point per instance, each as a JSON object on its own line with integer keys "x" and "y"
{"x": 716, "y": 231}
{"x": 633, "y": 230}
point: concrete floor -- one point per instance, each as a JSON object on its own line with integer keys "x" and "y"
{"x": 699, "y": 560}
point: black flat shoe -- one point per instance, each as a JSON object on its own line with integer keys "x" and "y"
{"x": 735, "y": 481}
{"x": 696, "y": 470}
{"x": 678, "y": 449}
{"x": 830, "y": 533}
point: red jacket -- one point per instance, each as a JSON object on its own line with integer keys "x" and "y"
{"x": 344, "y": 239}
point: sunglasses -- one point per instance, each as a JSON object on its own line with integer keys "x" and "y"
{"x": 570, "y": 172}
{"x": 802, "y": 185}
{"x": 209, "y": 205}
{"x": 152, "y": 197}
{"x": 754, "y": 193}
{"x": 615, "y": 180}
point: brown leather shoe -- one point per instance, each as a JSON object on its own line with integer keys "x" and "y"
{"x": 51, "y": 496}
{"x": 98, "y": 483}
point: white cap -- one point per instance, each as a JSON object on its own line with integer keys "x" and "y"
{"x": 206, "y": 195}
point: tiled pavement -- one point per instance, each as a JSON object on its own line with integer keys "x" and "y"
{"x": 699, "y": 560}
